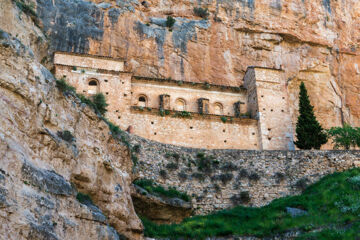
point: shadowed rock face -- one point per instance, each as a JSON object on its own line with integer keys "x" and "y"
{"x": 70, "y": 24}
{"x": 159, "y": 209}
{"x": 41, "y": 173}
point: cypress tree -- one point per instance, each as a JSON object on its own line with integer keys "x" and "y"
{"x": 309, "y": 132}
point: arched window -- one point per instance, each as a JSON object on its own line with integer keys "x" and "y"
{"x": 180, "y": 104}
{"x": 218, "y": 109}
{"x": 142, "y": 101}
{"x": 93, "y": 86}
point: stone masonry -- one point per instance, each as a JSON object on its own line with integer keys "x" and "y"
{"x": 219, "y": 179}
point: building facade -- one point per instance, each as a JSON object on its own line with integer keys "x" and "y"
{"x": 201, "y": 115}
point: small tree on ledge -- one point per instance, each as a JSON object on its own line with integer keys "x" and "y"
{"x": 309, "y": 133}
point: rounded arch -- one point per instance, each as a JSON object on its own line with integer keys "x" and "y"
{"x": 180, "y": 104}
{"x": 142, "y": 100}
{"x": 218, "y": 109}
{"x": 93, "y": 86}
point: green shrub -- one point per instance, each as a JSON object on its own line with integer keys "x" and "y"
{"x": 182, "y": 114}
{"x": 84, "y": 198}
{"x": 226, "y": 177}
{"x": 172, "y": 166}
{"x": 100, "y": 103}
{"x": 229, "y": 166}
{"x": 163, "y": 173}
{"x": 345, "y": 137}
{"x": 63, "y": 86}
{"x": 182, "y": 176}
{"x": 223, "y": 119}
{"x": 26, "y": 8}
{"x": 157, "y": 189}
{"x": 242, "y": 198}
{"x": 66, "y": 136}
{"x": 243, "y": 173}
{"x": 254, "y": 177}
{"x": 170, "y": 21}
{"x": 202, "y": 12}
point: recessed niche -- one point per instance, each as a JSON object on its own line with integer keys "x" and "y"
{"x": 282, "y": 110}
{"x": 122, "y": 82}
{"x": 155, "y": 133}
{"x": 119, "y": 117}
{"x": 283, "y": 97}
{"x": 105, "y": 80}
{"x": 263, "y": 109}
{"x": 191, "y": 127}
{"x": 125, "y": 94}
{"x": 152, "y": 122}
{"x": 272, "y": 110}
{"x": 84, "y": 91}
{"x": 223, "y": 130}
{"x": 107, "y": 93}
{"x": 269, "y": 129}
{"x": 117, "y": 111}
{"x": 262, "y": 95}
{"x": 253, "y": 133}
{"x": 225, "y": 141}
{"x": 269, "y": 138}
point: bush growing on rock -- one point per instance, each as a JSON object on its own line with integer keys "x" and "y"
{"x": 100, "y": 103}
{"x": 66, "y": 136}
{"x": 163, "y": 173}
{"x": 202, "y": 12}
{"x": 170, "y": 21}
{"x": 156, "y": 189}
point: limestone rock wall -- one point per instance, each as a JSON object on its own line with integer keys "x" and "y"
{"x": 312, "y": 41}
{"x": 219, "y": 179}
{"x": 42, "y": 166}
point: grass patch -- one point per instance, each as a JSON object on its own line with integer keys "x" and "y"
{"x": 157, "y": 189}
{"x": 332, "y": 206}
{"x": 84, "y": 198}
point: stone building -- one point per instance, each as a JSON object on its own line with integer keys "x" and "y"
{"x": 191, "y": 114}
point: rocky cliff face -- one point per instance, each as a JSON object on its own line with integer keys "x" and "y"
{"x": 313, "y": 41}
{"x": 51, "y": 148}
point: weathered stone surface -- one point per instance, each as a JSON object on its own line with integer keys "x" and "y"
{"x": 159, "y": 209}
{"x": 312, "y": 41}
{"x": 295, "y": 212}
{"x": 40, "y": 173}
{"x": 216, "y": 178}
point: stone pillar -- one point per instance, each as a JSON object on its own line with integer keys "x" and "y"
{"x": 203, "y": 105}
{"x": 237, "y": 108}
{"x": 164, "y": 102}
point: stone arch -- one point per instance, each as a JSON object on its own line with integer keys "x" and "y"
{"x": 180, "y": 104}
{"x": 218, "y": 109}
{"x": 93, "y": 86}
{"x": 142, "y": 100}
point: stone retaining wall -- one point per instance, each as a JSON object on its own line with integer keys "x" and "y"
{"x": 219, "y": 179}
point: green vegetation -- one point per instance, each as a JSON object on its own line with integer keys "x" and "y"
{"x": 345, "y": 137}
{"x": 26, "y": 8}
{"x": 84, "y": 198}
{"x": 63, "y": 86}
{"x": 100, "y": 103}
{"x": 170, "y": 21}
{"x": 157, "y": 189}
{"x": 223, "y": 119}
{"x": 309, "y": 133}
{"x": 202, "y": 12}
{"x": 332, "y": 204}
{"x": 182, "y": 114}
{"x": 66, "y": 136}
